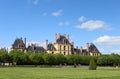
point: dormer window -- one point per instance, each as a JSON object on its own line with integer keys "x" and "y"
{"x": 64, "y": 41}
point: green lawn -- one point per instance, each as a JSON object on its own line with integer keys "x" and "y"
{"x": 58, "y": 73}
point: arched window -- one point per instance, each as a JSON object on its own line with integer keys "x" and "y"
{"x": 64, "y": 47}
{"x": 64, "y": 53}
{"x": 52, "y": 52}
{"x": 64, "y": 41}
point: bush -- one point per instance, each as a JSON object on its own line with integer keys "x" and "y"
{"x": 92, "y": 65}
{"x": 49, "y": 59}
{"x": 60, "y": 59}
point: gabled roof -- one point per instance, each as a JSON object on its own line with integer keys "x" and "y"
{"x": 93, "y": 48}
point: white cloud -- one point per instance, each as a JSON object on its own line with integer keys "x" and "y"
{"x": 115, "y": 51}
{"x": 109, "y": 40}
{"x": 43, "y": 44}
{"x": 57, "y": 13}
{"x": 9, "y": 48}
{"x": 81, "y": 19}
{"x": 64, "y": 23}
{"x": 35, "y": 2}
{"x": 94, "y": 25}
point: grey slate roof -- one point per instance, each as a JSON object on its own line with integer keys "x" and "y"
{"x": 35, "y": 49}
{"x": 93, "y": 48}
{"x": 61, "y": 40}
{"x": 50, "y": 47}
{"x": 18, "y": 43}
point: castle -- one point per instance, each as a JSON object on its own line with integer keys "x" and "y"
{"x": 20, "y": 45}
{"x": 62, "y": 45}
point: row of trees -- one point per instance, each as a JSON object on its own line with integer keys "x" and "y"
{"x": 28, "y": 58}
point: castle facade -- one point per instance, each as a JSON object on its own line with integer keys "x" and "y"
{"x": 62, "y": 45}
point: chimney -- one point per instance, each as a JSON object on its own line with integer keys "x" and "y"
{"x": 55, "y": 38}
{"x": 76, "y": 47}
{"x": 81, "y": 49}
{"x": 73, "y": 43}
{"x": 58, "y": 36}
{"x": 46, "y": 44}
{"x": 65, "y": 35}
{"x": 28, "y": 44}
{"x": 68, "y": 37}
{"x": 25, "y": 41}
{"x": 87, "y": 47}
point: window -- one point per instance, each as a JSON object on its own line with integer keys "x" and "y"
{"x": 64, "y": 47}
{"x": 64, "y": 41}
{"x": 64, "y": 53}
{"x": 52, "y": 52}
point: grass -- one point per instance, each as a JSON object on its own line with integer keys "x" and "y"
{"x": 58, "y": 73}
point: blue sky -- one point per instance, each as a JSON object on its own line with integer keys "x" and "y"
{"x": 85, "y": 21}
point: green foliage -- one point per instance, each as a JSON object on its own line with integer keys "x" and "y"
{"x": 92, "y": 65}
{"x": 4, "y": 57}
{"x": 60, "y": 59}
{"x": 73, "y": 59}
{"x": 111, "y": 60}
{"x": 102, "y": 60}
{"x": 36, "y": 59}
{"x": 49, "y": 59}
{"x": 85, "y": 60}
{"x": 30, "y": 58}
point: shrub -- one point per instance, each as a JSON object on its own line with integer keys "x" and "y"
{"x": 92, "y": 65}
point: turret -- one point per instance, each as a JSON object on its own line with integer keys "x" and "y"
{"x": 76, "y": 47}
{"x": 87, "y": 47}
{"x": 81, "y": 49}
{"x": 58, "y": 36}
{"x": 73, "y": 44}
{"x": 55, "y": 38}
{"x": 46, "y": 44}
{"x": 65, "y": 35}
{"x": 68, "y": 37}
{"x": 25, "y": 41}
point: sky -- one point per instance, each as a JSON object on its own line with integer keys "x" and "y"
{"x": 86, "y": 21}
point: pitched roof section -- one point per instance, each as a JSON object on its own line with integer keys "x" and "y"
{"x": 93, "y": 48}
{"x": 50, "y": 47}
{"x": 35, "y": 49}
{"x": 18, "y": 43}
{"x": 62, "y": 40}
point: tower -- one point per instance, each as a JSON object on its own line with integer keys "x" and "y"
{"x": 58, "y": 36}
{"x": 65, "y": 35}
{"x": 72, "y": 47}
{"x": 81, "y": 50}
{"x": 25, "y": 42}
{"x": 55, "y": 38}
{"x": 68, "y": 37}
{"x": 46, "y": 44}
{"x": 87, "y": 47}
{"x": 73, "y": 44}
